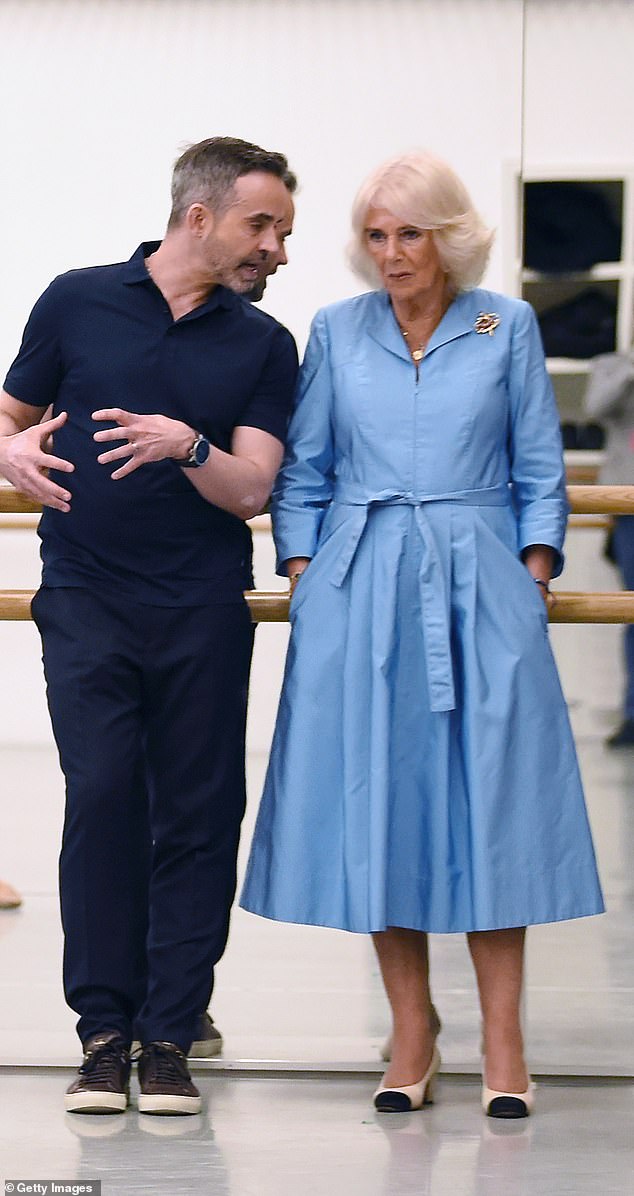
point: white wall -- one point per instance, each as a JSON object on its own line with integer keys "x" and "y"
{"x": 97, "y": 98}
{"x": 579, "y": 91}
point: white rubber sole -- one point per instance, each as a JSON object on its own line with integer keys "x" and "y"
{"x": 169, "y": 1105}
{"x": 206, "y": 1048}
{"x": 96, "y": 1102}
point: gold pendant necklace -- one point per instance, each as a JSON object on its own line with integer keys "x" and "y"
{"x": 416, "y": 354}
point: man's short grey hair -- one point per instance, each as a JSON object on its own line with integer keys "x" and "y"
{"x": 425, "y": 192}
{"x": 207, "y": 172}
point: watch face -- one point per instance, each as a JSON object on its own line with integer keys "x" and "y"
{"x": 201, "y": 451}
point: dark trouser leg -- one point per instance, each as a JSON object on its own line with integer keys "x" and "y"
{"x": 624, "y": 553}
{"x": 94, "y": 695}
{"x": 195, "y": 711}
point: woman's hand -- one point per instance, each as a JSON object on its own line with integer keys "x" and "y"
{"x": 539, "y": 560}
{"x": 545, "y": 591}
{"x": 294, "y": 568}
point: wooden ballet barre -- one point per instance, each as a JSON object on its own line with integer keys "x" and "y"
{"x": 581, "y": 474}
{"x": 584, "y": 500}
{"x": 601, "y": 500}
{"x": 265, "y": 606}
{"x": 601, "y": 521}
{"x": 588, "y": 607}
{"x": 14, "y": 503}
{"x": 271, "y": 606}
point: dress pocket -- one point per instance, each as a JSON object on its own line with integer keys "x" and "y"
{"x": 322, "y": 569}
{"x": 519, "y": 599}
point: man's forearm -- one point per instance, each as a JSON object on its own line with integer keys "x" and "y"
{"x": 235, "y": 484}
{"x": 23, "y": 461}
{"x": 9, "y": 427}
{"x": 240, "y": 481}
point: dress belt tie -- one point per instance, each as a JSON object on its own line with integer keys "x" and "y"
{"x": 433, "y": 590}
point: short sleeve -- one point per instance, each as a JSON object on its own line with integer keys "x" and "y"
{"x": 269, "y": 407}
{"x": 36, "y": 374}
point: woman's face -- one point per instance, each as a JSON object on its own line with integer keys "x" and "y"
{"x": 405, "y": 256}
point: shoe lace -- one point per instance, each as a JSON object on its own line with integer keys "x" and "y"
{"x": 165, "y": 1059}
{"x": 101, "y": 1060}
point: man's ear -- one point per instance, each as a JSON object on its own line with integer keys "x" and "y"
{"x": 199, "y": 219}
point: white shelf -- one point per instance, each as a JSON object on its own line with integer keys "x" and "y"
{"x": 546, "y": 290}
{"x": 584, "y": 457}
{"x": 602, "y": 272}
{"x": 567, "y": 365}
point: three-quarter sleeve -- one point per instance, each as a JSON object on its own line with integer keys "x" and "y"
{"x": 537, "y": 465}
{"x": 304, "y": 485}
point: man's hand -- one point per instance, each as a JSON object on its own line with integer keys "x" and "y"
{"x": 147, "y": 438}
{"x": 239, "y": 481}
{"x": 25, "y": 463}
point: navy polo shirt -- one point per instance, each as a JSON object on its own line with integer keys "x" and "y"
{"x": 105, "y": 337}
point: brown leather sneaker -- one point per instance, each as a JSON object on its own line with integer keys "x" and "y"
{"x": 103, "y": 1080}
{"x": 165, "y": 1082}
{"x": 208, "y": 1041}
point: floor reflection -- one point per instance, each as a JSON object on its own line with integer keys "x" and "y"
{"x": 281, "y": 1136}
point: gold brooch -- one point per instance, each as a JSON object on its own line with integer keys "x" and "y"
{"x": 487, "y": 321}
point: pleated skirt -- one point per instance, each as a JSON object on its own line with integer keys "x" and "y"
{"x": 380, "y": 811}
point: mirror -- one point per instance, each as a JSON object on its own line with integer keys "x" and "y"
{"x": 114, "y": 90}
{"x": 578, "y": 101}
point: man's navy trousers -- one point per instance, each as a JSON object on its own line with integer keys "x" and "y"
{"x": 148, "y": 705}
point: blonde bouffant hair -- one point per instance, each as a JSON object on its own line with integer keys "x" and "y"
{"x": 425, "y": 192}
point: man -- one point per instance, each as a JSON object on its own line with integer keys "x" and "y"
{"x": 171, "y": 398}
{"x": 208, "y": 1040}
{"x": 269, "y": 264}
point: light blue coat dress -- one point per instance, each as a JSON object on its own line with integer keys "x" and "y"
{"x": 423, "y": 772}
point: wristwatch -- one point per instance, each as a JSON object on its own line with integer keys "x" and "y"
{"x": 198, "y": 453}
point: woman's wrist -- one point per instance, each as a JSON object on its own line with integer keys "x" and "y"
{"x": 539, "y": 560}
{"x": 294, "y": 569}
{"x": 296, "y": 564}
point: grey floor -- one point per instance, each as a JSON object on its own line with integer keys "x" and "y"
{"x": 288, "y": 1107}
{"x": 260, "y": 1136}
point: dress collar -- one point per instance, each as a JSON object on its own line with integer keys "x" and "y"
{"x": 457, "y": 321}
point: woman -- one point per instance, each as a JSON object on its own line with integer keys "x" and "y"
{"x": 423, "y": 774}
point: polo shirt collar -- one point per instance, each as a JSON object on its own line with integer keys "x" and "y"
{"x": 135, "y": 271}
